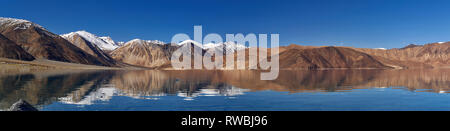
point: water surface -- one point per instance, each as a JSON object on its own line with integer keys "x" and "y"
{"x": 229, "y": 90}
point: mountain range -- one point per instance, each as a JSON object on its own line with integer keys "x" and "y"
{"x": 42, "y": 44}
{"x": 27, "y": 41}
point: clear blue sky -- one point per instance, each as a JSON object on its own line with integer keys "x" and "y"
{"x": 357, "y": 23}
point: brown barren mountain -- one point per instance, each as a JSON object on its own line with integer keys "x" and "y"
{"x": 291, "y": 57}
{"x": 41, "y": 43}
{"x": 143, "y": 53}
{"x": 429, "y": 55}
{"x": 151, "y": 54}
{"x": 9, "y": 49}
{"x": 327, "y": 57}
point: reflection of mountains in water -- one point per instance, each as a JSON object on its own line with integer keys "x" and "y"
{"x": 44, "y": 88}
{"x": 88, "y": 87}
{"x": 150, "y": 85}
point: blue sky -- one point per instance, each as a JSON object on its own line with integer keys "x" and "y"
{"x": 357, "y": 23}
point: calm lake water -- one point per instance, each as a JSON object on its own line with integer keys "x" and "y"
{"x": 328, "y": 90}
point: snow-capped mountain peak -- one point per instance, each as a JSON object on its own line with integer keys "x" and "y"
{"x": 210, "y": 45}
{"x": 108, "y": 40}
{"x": 234, "y": 45}
{"x": 156, "y": 42}
{"x": 104, "y": 43}
{"x": 191, "y": 42}
{"x": 135, "y": 41}
{"x": 120, "y": 43}
{"x": 226, "y": 46}
{"x": 139, "y": 41}
{"x": 19, "y": 23}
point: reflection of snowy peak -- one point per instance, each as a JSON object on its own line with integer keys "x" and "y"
{"x": 102, "y": 94}
{"x": 227, "y": 91}
{"x": 106, "y": 92}
{"x": 104, "y": 43}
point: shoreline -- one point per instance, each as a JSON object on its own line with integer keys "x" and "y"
{"x": 43, "y": 65}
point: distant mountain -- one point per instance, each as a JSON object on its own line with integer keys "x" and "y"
{"x": 229, "y": 47}
{"x": 9, "y": 49}
{"x": 120, "y": 43}
{"x": 410, "y": 46}
{"x": 41, "y": 43}
{"x": 295, "y": 46}
{"x": 104, "y": 43}
{"x": 192, "y": 42}
{"x": 434, "y": 54}
{"x": 226, "y": 46}
{"x": 327, "y": 57}
{"x": 144, "y": 53}
{"x": 157, "y": 55}
{"x": 82, "y": 43}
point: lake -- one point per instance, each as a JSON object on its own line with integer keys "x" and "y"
{"x": 300, "y": 90}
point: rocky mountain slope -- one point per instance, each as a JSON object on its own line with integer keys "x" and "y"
{"x": 41, "y": 43}
{"x": 9, "y": 49}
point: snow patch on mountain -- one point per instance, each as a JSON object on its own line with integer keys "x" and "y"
{"x": 135, "y": 41}
{"x": 19, "y": 23}
{"x": 120, "y": 43}
{"x": 139, "y": 42}
{"x": 381, "y": 48}
{"x": 108, "y": 40}
{"x": 104, "y": 43}
{"x": 146, "y": 41}
{"x": 227, "y": 46}
{"x": 210, "y": 45}
{"x": 156, "y": 42}
{"x": 191, "y": 42}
